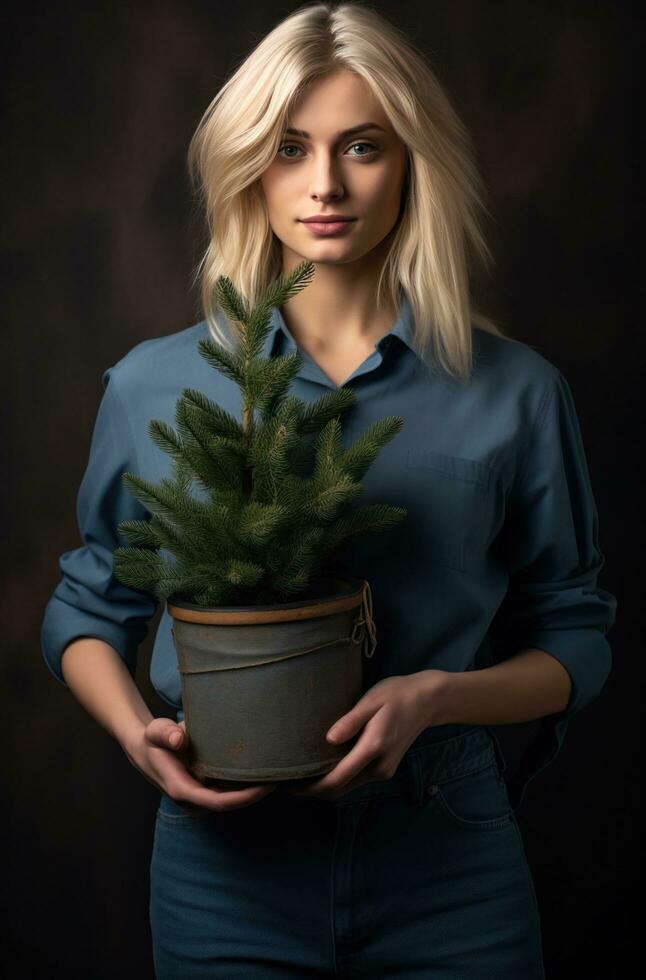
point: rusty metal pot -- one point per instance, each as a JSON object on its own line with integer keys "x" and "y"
{"x": 261, "y": 685}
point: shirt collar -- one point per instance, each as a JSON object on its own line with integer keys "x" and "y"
{"x": 403, "y": 328}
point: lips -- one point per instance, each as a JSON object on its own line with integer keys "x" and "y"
{"x": 324, "y": 221}
{"x": 328, "y": 227}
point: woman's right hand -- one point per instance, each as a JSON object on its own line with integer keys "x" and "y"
{"x": 159, "y": 755}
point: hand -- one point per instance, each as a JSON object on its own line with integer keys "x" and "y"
{"x": 392, "y": 714}
{"x": 159, "y": 755}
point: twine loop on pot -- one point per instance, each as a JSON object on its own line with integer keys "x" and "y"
{"x": 364, "y": 623}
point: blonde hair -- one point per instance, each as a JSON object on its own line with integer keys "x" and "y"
{"x": 239, "y": 135}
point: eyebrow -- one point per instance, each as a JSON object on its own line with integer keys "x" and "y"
{"x": 345, "y": 132}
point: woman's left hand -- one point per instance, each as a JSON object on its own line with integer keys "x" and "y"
{"x": 392, "y": 713}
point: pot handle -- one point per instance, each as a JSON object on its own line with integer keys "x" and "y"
{"x": 364, "y": 626}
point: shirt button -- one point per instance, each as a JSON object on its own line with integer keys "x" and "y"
{"x": 432, "y": 790}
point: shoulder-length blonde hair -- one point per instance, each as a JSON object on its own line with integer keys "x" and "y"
{"x": 238, "y": 138}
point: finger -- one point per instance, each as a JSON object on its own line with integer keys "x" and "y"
{"x": 352, "y": 766}
{"x": 171, "y": 770}
{"x": 325, "y": 793}
{"x": 193, "y": 792}
{"x": 361, "y": 780}
{"x": 167, "y": 734}
{"x": 162, "y": 733}
{"x": 367, "y": 775}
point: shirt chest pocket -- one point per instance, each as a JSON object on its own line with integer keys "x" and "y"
{"x": 451, "y": 507}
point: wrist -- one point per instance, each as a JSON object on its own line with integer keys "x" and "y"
{"x": 439, "y": 690}
{"x": 131, "y": 734}
{"x": 451, "y": 690}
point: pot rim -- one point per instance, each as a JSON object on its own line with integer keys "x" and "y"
{"x": 344, "y": 593}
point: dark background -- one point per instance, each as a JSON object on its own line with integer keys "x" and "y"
{"x": 100, "y": 238}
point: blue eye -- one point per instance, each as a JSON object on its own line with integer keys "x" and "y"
{"x": 371, "y": 145}
{"x": 287, "y": 146}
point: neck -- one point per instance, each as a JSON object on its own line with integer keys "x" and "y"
{"x": 337, "y": 309}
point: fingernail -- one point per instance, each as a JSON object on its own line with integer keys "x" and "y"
{"x": 175, "y": 738}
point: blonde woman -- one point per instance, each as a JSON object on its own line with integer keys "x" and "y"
{"x": 334, "y": 142}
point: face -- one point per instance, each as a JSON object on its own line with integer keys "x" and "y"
{"x": 358, "y": 175}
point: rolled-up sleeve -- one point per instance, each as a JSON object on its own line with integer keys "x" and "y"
{"x": 88, "y": 600}
{"x": 551, "y": 546}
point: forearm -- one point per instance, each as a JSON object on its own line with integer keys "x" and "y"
{"x": 100, "y": 681}
{"x": 529, "y": 685}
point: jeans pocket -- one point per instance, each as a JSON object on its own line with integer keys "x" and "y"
{"x": 477, "y": 800}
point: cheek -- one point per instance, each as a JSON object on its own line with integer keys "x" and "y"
{"x": 384, "y": 195}
{"x": 274, "y": 192}
{"x": 277, "y": 212}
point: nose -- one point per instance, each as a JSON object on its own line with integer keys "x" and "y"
{"x": 326, "y": 177}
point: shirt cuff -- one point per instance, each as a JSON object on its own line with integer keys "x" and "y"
{"x": 61, "y": 626}
{"x": 586, "y": 655}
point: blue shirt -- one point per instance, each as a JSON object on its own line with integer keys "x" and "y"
{"x": 499, "y": 549}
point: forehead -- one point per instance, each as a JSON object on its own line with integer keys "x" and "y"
{"x": 336, "y": 101}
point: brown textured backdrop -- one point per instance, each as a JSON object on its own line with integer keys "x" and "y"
{"x": 100, "y": 238}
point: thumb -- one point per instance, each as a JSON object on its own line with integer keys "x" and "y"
{"x": 349, "y": 724}
{"x": 166, "y": 733}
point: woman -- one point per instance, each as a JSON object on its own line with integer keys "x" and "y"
{"x": 406, "y": 859}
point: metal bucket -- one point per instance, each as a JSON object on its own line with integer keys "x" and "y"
{"x": 261, "y": 685}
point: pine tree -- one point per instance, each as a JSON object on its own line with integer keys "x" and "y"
{"x": 278, "y": 502}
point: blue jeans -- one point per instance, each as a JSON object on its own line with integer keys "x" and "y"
{"x": 423, "y": 875}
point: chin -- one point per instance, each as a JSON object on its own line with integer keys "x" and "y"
{"x": 332, "y": 259}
